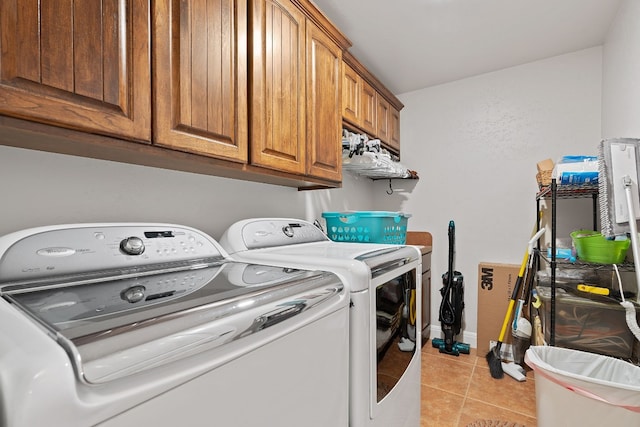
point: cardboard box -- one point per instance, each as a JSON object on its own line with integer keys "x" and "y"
{"x": 545, "y": 166}
{"x": 545, "y": 169}
{"x": 495, "y": 286}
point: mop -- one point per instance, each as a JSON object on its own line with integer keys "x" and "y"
{"x": 496, "y": 366}
{"x": 618, "y": 182}
{"x": 521, "y": 328}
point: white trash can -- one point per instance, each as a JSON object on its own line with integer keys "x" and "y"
{"x": 576, "y": 388}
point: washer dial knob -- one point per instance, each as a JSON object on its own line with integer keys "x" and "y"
{"x": 132, "y": 246}
{"x": 133, "y": 294}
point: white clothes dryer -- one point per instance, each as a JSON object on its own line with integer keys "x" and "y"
{"x": 384, "y": 288}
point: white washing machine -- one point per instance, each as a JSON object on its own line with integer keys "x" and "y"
{"x": 384, "y": 287}
{"x": 153, "y": 324}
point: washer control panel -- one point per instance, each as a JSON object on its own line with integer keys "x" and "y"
{"x": 47, "y": 252}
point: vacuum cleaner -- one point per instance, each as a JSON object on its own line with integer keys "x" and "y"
{"x": 452, "y": 305}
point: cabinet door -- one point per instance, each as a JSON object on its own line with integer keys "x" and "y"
{"x": 368, "y": 107}
{"x": 324, "y": 96}
{"x": 351, "y": 88}
{"x": 77, "y": 64}
{"x": 394, "y": 137}
{"x": 200, "y": 77}
{"x": 383, "y": 119}
{"x": 278, "y": 86}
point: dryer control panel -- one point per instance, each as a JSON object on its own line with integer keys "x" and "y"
{"x": 270, "y": 232}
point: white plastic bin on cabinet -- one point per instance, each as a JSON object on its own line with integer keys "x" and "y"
{"x": 576, "y": 388}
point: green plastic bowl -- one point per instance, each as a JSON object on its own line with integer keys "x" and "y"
{"x": 592, "y": 246}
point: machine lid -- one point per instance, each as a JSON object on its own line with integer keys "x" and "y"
{"x": 119, "y": 327}
{"x": 261, "y": 240}
{"x": 117, "y": 312}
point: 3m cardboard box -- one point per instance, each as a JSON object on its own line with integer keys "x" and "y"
{"x": 495, "y": 286}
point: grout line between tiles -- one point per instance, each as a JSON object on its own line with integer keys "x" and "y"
{"x": 466, "y": 392}
{"x": 477, "y": 368}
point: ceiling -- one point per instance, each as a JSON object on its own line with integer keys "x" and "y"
{"x": 413, "y": 44}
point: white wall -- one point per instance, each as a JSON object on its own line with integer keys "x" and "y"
{"x": 621, "y": 74}
{"x": 39, "y": 188}
{"x": 475, "y": 143}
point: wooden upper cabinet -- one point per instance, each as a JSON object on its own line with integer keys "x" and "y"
{"x": 200, "y": 77}
{"x": 368, "y": 108}
{"x": 254, "y": 83}
{"x": 394, "y": 136}
{"x": 324, "y": 96}
{"x": 359, "y": 101}
{"x": 351, "y": 89}
{"x": 278, "y": 86}
{"x": 77, "y": 64}
{"x": 383, "y": 119}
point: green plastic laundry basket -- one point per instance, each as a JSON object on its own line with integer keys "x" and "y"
{"x": 367, "y": 227}
{"x": 592, "y": 246}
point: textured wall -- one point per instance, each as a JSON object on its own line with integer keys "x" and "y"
{"x": 621, "y": 74}
{"x": 476, "y": 142}
{"x": 39, "y": 188}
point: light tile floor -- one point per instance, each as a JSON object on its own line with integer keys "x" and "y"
{"x": 456, "y": 391}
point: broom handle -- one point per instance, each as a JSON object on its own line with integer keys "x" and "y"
{"x": 514, "y": 296}
{"x": 516, "y": 288}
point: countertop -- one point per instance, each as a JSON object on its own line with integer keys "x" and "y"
{"x": 422, "y": 239}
